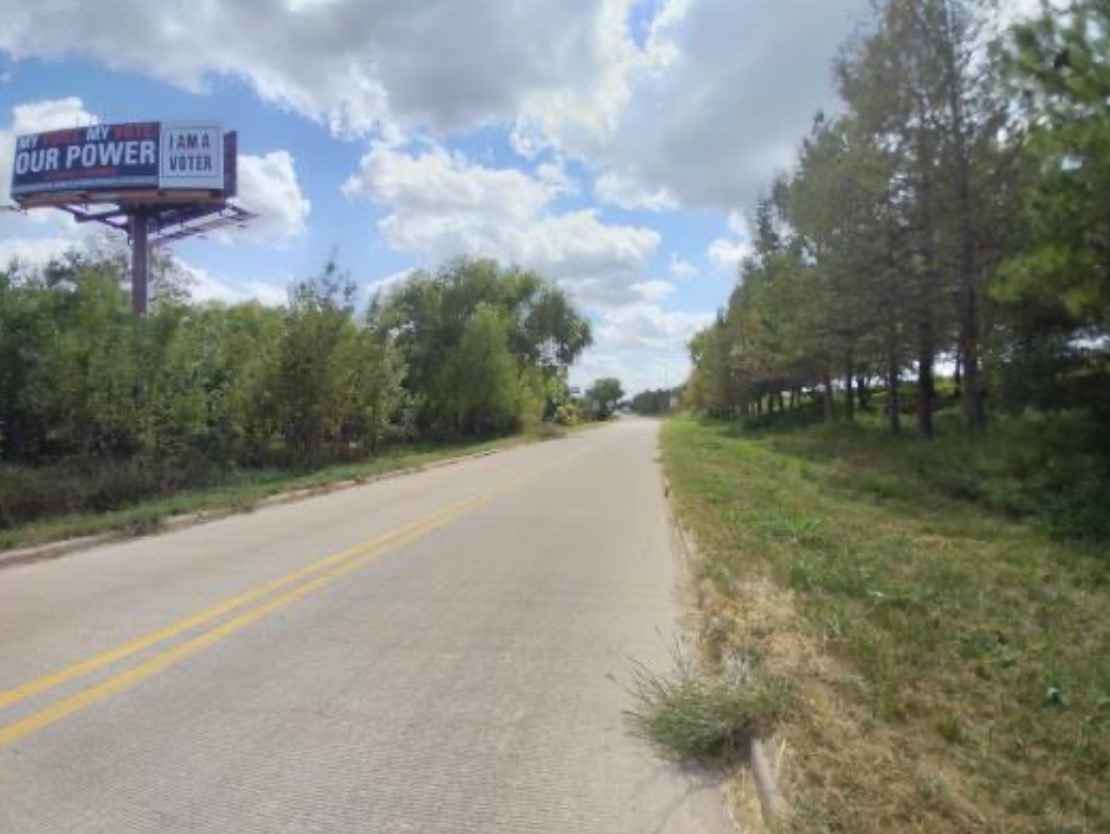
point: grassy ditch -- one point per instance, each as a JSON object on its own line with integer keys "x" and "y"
{"x": 950, "y": 663}
{"x": 239, "y": 492}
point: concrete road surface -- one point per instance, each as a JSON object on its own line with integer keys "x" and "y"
{"x": 433, "y": 653}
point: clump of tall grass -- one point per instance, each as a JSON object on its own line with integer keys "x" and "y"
{"x": 706, "y": 715}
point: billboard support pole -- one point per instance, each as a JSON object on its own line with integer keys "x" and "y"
{"x": 140, "y": 253}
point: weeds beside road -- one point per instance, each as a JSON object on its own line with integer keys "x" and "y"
{"x": 951, "y": 666}
{"x": 238, "y": 492}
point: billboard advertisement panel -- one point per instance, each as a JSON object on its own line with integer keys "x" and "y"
{"x": 136, "y": 156}
{"x": 192, "y": 156}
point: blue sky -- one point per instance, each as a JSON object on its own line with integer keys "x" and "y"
{"x": 615, "y": 146}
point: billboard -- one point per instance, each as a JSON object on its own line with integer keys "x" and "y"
{"x": 103, "y": 160}
{"x": 192, "y": 156}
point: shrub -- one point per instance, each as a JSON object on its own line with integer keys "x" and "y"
{"x": 566, "y": 415}
{"x": 28, "y": 493}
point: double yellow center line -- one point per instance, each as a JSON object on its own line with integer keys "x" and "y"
{"x": 292, "y": 587}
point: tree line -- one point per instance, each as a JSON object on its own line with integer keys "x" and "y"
{"x": 99, "y": 407}
{"x": 955, "y": 213}
{"x": 655, "y": 401}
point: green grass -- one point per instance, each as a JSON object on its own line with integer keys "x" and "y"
{"x": 707, "y": 715}
{"x": 975, "y": 645}
{"x": 240, "y": 493}
{"x": 1052, "y": 471}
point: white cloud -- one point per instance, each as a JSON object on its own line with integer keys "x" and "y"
{"x": 596, "y": 261}
{"x": 554, "y": 175}
{"x": 442, "y": 205}
{"x": 354, "y": 65}
{"x": 641, "y": 344}
{"x": 527, "y": 139}
{"x": 654, "y": 290}
{"x": 637, "y": 371}
{"x": 268, "y": 185}
{"x": 681, "y": 269}
{"x": 583, "y": 112}
{"x": 700, "y": 113}
{"x": 725, "y": 253}
{"x": 203, "y": 286}
{"x": 439, "y": 195}
{"x": 647, "y": 326}
{"x": 32, "y": 251}
{"x": 269, "y": 294}
{"x": 621, "y": 191}
{"x": 723, "y": 94}
{"x": 389, "y": 282}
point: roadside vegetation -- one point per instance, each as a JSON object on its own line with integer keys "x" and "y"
{"x": 951, "y": 663}
{"x": 897, "y": 462}
{"x": 706, "y": 715}
{"x": 601, "y": 399}
{"x": 237, "y": 491}
{"x": 656, "y": 402}
{"x": 109, "y": 420}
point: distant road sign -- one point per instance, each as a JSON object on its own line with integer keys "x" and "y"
{"x": 101, "y": 161}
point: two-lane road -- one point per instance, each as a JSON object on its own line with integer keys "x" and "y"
{"x": 432, "y": 653}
